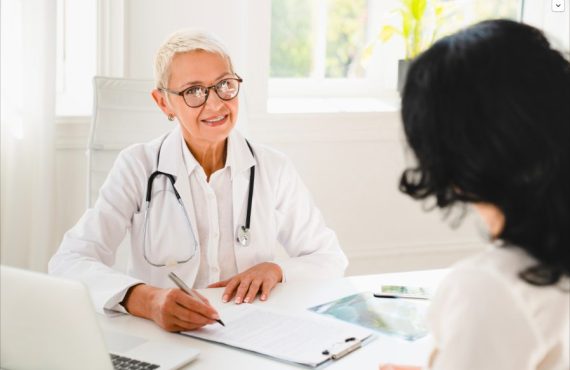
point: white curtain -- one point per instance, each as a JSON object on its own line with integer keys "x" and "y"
{"x": 28, "y": 65}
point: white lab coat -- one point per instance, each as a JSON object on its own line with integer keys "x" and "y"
{"x": 283, "y": 214}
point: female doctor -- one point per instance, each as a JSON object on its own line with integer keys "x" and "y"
{"x": 200, "y": 201}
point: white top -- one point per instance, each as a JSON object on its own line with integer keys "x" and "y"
{"x": 485, "y": 317}
{"x": 283, "y": 215}
{"x": 213, "y": 199}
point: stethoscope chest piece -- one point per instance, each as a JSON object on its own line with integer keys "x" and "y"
{"x": 243, "y": 236}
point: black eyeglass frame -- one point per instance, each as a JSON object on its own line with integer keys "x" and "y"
{"x": 214, "y": 86}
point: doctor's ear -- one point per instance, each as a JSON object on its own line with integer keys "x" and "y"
{"x": 162, "y": 101}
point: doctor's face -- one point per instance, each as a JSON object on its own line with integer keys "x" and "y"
{"x": 212, "y": 122}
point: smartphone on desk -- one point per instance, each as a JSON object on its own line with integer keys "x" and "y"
{"x": 403, "y": 291}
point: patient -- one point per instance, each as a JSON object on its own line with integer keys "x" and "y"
{"x": 487, "y": 114}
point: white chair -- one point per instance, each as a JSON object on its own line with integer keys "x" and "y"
{"x": 124, "y": 113}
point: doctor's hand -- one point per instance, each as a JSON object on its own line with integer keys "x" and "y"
{"x": 171, "y": 309}
{"x": 260, "y": 278}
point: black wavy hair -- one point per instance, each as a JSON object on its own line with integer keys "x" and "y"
{"x": 487, "y": 113}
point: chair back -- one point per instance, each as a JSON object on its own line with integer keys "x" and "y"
{"x": 124, "y": 113}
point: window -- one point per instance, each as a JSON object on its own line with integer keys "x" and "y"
{"x": 351, "y": 48}
{"x": 76, "y": 56}
{"x": 317, "y": 38}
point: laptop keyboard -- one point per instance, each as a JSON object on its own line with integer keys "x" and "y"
{"x": 125, "y": 363}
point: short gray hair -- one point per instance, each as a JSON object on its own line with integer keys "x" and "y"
{"x": 185, "y": 41}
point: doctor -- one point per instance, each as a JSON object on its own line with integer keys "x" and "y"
{"x": 200, "y": 201}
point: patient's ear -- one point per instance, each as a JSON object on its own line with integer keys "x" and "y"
{"x": 493, "y": 217}
{"x": 160, "y": 100}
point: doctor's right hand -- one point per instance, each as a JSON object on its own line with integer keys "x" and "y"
{"x": 172, "y": 309}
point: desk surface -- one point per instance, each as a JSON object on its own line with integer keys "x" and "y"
{"x": 298, "y": 296}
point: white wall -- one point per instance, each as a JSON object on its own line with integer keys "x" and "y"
{"x": 556, "y": 25}
{"x": 350, "y": 161}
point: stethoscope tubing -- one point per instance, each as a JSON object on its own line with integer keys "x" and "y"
{"x": 250, "y": 190}
{"x": 243, "y": 233}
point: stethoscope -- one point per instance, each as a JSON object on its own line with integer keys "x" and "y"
{"x": 242, "y": 233}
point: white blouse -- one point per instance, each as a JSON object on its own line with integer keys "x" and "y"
{"x": 213, "y": 201}
{"x": 485, "y": 317}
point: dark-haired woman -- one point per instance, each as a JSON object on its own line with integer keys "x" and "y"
{"x": 487, "y": 114}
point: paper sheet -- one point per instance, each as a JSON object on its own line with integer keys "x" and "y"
{"x": 299, "y": 337}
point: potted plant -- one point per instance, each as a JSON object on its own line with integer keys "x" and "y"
{"x": 420, "y": 22}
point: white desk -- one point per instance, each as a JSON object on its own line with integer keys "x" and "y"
{"x": 298, "y": 296}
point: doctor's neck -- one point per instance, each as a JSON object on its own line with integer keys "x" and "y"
{"x": 211, "y": 156}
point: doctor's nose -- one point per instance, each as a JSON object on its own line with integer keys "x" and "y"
{"x": 213, "y": 101}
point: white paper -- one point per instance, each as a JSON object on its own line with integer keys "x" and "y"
{"x": 299, "y": 337}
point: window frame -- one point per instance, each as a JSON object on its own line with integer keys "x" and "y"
{"x": 379, "y": 84}
{"x": 70, "y": 62}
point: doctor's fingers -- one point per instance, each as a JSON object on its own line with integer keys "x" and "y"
{"x": 174, "y": 324}
{"x": 219, "y": 284}
{"x": 262, "y": 287}
{"x": 250, "y": 288}
{"x": 231, "y": 287}
{"x": 189, "y": 319}
{"x": 266, "y": 288}
{"x": 256, "y": 286}
{"x": 191, "y": 304}
{"x": 204, "y": 299}
{"x": 243, "y": 288}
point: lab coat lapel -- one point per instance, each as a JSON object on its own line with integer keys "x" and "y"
{"x": 241, "y": 160}
{"x": 172, "y": 162}
{"x": 240, "y": 185}
{"x": 182, "y": 185}
{"x": 171, "y": 153}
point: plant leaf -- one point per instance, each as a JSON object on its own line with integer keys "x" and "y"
{"x": 387, "y": 32}
{"x": 406, "y": 24}
{"x": 438, "y": 9}
{"x": 367, "y": 52}
{"x": 418, "y": 8}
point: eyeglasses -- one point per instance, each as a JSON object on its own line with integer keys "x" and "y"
{"x": 196, "y": 96}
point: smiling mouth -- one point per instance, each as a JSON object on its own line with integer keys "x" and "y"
{"x": 215, "y": 121}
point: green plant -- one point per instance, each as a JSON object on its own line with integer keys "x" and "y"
{"x": 420, "y": 22}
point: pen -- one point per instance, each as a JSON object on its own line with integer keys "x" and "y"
{"x": 398, "y": 296}
{"x": 179, "y": 283}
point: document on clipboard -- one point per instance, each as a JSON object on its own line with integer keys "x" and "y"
{"x": 303, "y": 338}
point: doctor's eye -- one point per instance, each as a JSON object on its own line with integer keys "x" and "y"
{"x": 195, "y": 91}
{"x": 223, "y": 86}
{"x": 227, "y": 89}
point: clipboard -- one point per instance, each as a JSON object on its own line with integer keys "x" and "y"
{"x": 342, "y": 349}
{"x": 302, "y": 338}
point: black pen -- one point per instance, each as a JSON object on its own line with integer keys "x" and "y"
{"x": 398, "y": 296}
{"x": 179, "y": 283}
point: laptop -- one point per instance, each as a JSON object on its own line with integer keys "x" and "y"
{"x": 50, "y": 323}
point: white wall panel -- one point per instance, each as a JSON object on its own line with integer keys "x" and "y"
{"x": 149, "y": 22}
